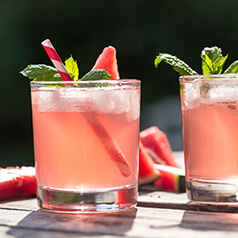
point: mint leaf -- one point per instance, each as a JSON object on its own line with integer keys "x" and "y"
{"x": 232, "y": 69}
{"x": 178, "y": 65}
{"x": 72, "y": 68}
{"x": 97, "y": 74}
{"x": 212, "y": 60}
{"x": 41, "y": 72}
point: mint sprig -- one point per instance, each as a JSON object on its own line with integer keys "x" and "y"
{"x": 212, "y": 60}
{"x": 41, "y": 72}
{"x": 72, "y": 68}
{"x": 232, "y": 69}
{"x": 212, "y": 63}
{"x": 97, "y": 74}
{"x": 178, "y": 65}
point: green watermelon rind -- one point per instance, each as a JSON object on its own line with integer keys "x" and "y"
{"x": 178, "y": 177}
{"x": 148, "y": 179}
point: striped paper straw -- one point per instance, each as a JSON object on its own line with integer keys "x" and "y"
{"x": 57, "y": 62}
{"x": 110, "y": 145}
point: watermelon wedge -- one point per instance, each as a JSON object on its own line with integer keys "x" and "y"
{"x": 147, "y": 172}
{"x": 17, "y": 182}
{"x": 107, "y": 60}
{"x": 157, "y": 145}
{"x": 172, "y": 179}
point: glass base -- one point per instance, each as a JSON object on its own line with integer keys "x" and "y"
{"x": 87, "y": 202}
{"x": 212, "y": 192}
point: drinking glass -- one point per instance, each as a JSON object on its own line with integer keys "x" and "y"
{"x": 210, "y": 136}
{"x": 86, "y": 137}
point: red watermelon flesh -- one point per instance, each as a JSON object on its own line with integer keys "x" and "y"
{"x": 17, "y": 182}
{"x": 107, "y": 60}
{"x": 147, "y": 172}
{"x": 157, "y": 145}
{"x": 172, "y": 179}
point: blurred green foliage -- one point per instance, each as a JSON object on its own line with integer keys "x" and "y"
{"x": 139, "y": 29}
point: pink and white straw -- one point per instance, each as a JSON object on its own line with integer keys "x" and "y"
{"x": 57, "y": 62}
{"x": 110, "y": 145}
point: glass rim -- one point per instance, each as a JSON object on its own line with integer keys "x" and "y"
{"x": 211, "y": 77}
{"x": 112, "y": 82}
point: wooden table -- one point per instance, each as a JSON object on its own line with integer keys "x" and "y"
{"x": 158, "y": 214}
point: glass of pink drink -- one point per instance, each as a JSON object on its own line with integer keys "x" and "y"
{"x": 86, "y": 137}
{"x": 210, "y": 135}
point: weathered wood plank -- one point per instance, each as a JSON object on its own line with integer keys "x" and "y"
{"x": 10, "y": 232}
{"x": 160, "y": 199}
{"x": 26, "y": 204}
{"x": 141, "y": 222}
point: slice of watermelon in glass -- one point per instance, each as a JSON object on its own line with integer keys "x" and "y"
{"x": 107, "y": 60}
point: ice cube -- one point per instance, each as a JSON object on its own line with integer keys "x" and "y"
{"x": 109, "y": 101}
{"x": 67, "y": 100}
{"x": 122, "y": 101}
{"x": 222, "y": 94}
{"x": 191, "y": 95}
{"x": 76, "y": 100}
{"x": 134, "y": 111}
{"x": 102, "y": 101}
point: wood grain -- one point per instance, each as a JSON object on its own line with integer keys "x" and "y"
{"x": 159, "y": 214}
{"x": 140, "y": 222}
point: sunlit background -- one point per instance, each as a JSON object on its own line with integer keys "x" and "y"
{"x": 139, "y": 29}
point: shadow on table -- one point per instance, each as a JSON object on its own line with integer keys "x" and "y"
{"x": 209, "y": 221}
{"x": 39, "y": 224}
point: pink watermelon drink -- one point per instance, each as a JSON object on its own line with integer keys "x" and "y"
{"x": 210, "y": 131}
{"x": 209, "y": 115}
{"x": 86, "y": 135}
{"x": 69, "y": 153}
{"x": 207, "y": 144}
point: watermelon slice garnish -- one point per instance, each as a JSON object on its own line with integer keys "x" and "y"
{"x": 17, "y": 182}
{"x": 147, "y": 172}
{"x": 107, "y": 60}
{"x": 172, "y": 179}
{"x": 157, "y": 145}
